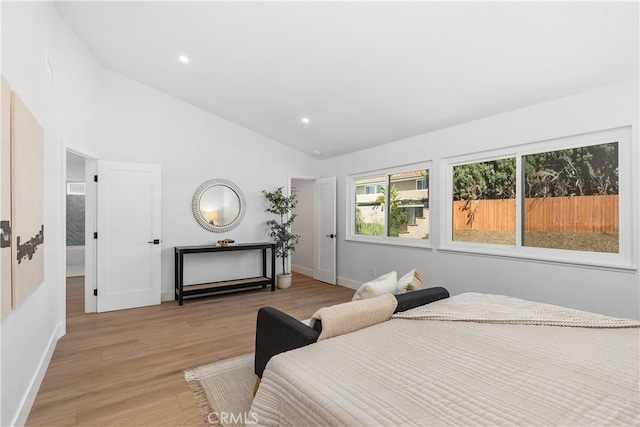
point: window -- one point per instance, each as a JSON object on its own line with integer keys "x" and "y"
{"x": 484, "y": 202}
{"x": 76, "y": 188}
{"x": 414, "y": 214}
{"x": 571, "y": 199}
{"x": 374, "y": 189}
{"x": 369, "y": 215}
{"x": 422, "y": 184}
{"x": 563, "y": 200}
{"x": 397, "y": 212}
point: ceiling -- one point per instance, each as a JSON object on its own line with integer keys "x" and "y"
{"x": 364, "y": 73}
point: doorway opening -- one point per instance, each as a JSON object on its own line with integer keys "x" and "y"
{"x": 79, "y": 213}
{"x": 315, "y": 254}
{"x": 75, "y": 234}
{"x": 75, "y": 203}
{"x": 302, "y": 257}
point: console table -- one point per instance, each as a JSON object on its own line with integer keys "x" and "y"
{"x": 182, "y": 291}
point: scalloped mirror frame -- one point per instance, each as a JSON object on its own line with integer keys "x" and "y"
{"x": 197, "y": 213}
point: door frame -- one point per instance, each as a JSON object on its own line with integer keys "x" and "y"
{"x": 90, "y": 251}
{"x": 314, "y": 213}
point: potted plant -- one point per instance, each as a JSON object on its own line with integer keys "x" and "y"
{"x": 280, "y": 230}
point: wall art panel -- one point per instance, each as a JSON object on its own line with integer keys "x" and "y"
{"x": 5, "y": 199}
{"x": 27, "y": 201}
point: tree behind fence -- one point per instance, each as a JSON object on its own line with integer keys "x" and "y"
{"x": 576, "y": 214}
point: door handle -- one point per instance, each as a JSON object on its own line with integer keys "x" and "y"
{"x": 155, "y": 242}
{"x": 333, "y": 236}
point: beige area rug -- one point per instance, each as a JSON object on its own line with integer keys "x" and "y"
{"x": 224, "y": 390}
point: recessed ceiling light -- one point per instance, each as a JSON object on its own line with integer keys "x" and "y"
{"x": 183, "y": 59}
{"x": 316, "y": 152}
{"x": 305, "y": 120}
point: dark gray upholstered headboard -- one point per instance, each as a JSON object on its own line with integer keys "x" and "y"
{"x": 277, "y": 332}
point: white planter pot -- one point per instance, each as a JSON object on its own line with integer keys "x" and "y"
{"x": 284, "y": 281}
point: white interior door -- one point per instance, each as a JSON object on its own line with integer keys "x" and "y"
{"x": 128, "y": 223}
{"x": 324, "y": 219}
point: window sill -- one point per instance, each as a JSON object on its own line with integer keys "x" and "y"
{"x": 391, "y": 241}
{"x": 595, "y": 260}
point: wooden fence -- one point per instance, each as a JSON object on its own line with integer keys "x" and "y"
{"x": 577, "y": 214}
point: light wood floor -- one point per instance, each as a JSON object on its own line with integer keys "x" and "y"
{"x": 125, "y": 368}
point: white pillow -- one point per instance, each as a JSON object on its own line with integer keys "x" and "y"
{"x": 387, "y": 284}
{"x": 410, "y": 282}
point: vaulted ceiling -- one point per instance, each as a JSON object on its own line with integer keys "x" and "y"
{"x": 363, "y": 73}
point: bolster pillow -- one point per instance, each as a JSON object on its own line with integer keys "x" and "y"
{"x": 352, "y": 316}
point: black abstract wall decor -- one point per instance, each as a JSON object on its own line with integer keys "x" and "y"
{"x": 5, "y": 234}
{"x": 28, "y": 249}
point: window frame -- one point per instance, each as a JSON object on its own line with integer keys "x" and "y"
{"x": 384, "y": 239}
{"x": 627, "y": 189}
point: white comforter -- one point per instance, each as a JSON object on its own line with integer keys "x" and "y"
{"x": 425, "y": 373}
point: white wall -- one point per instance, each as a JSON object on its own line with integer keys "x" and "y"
{"x": 104, "y": 115}
{"x": 111, "y": 117}
{"x": 140, "y": 124}
{"x": 2, "y": 275}
{"x": 29, "y": 334}
{"x": 611, "y": 292}
{"x": 302, "y": 257}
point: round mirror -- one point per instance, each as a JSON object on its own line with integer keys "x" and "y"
{"x": 218, "y": 205}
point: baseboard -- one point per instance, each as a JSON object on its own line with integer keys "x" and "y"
{"x": 167, "y": 295}
{"x": 348, "y": 283}
{"x": 302, "y": 270}
{"x": 27, "y": 401}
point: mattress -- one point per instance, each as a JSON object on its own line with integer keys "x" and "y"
{"x": 431, "y": 372}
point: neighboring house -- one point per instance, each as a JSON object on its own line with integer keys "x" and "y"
{"x": 410, "y": 190}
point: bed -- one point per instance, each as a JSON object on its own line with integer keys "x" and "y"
{"x": 504, "y": 368}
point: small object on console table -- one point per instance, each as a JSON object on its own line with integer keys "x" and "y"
{"x": 226, "y": 242}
